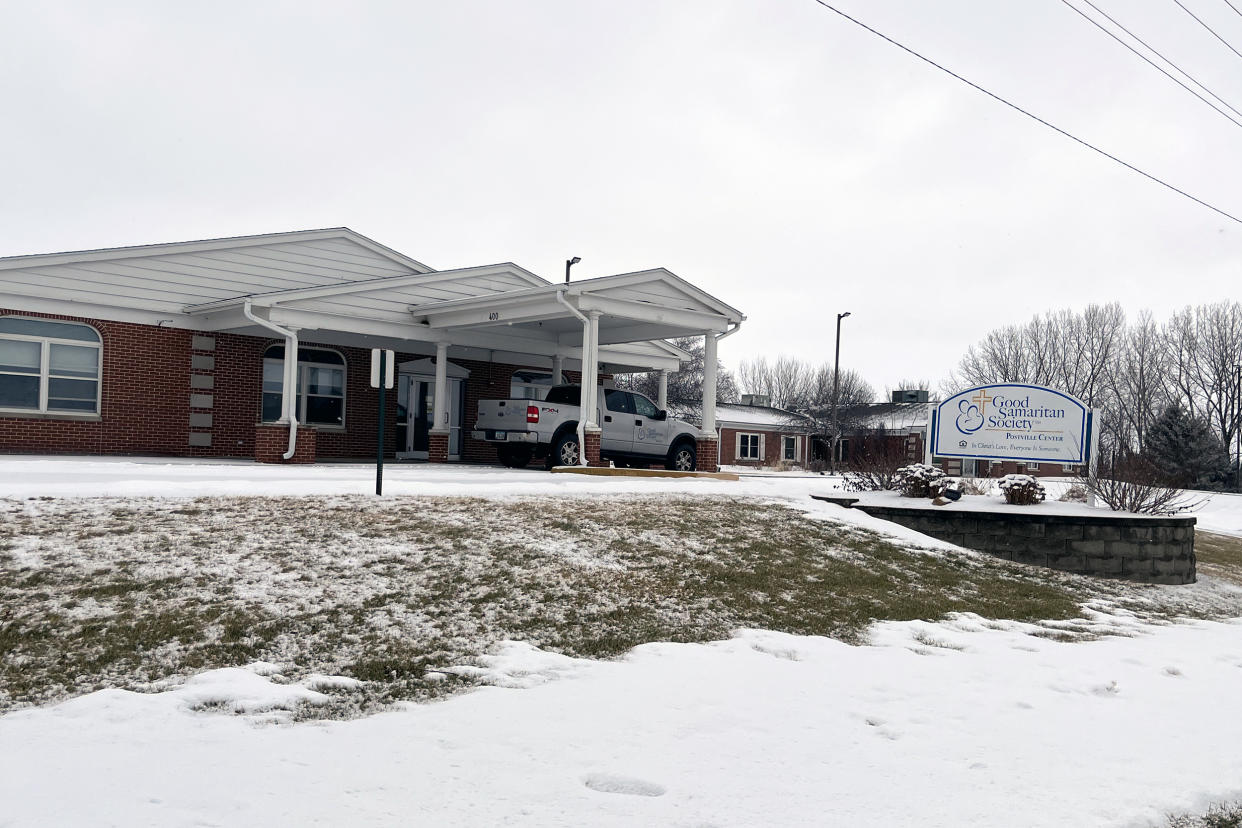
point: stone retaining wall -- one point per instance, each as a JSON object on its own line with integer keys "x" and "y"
{"x": 1150, "y": 550}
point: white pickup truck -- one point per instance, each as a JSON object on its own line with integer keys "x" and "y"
{"x": 632, "y": 430}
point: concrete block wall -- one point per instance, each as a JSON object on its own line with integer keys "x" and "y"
{"x": 1134, "y": 548}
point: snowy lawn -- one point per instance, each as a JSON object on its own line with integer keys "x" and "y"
{"x": 987, "y": 693}
{"x": 397, "y": 592}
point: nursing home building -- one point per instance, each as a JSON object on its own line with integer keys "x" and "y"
{"x": 260, "y": 347}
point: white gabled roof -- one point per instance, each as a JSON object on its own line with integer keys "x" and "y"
{"x": 348, "y": 288}
{"x": 164, "y": 278}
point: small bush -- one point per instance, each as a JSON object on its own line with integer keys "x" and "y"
{"x": 1021, "y": 489}
{"x": 975, "y": 486}
{"x": 874, "y": 465}
{"x": 1075, "y": 493}
{"x": 1226, "y": 815}
{"x": 1136, "y": 485}
{"x": 919, "y": 480}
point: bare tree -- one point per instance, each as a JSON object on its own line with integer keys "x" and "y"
{"x": 687, "y": 383}
{"x": 1140, "y": 388}
{"x": 797, "y": 385}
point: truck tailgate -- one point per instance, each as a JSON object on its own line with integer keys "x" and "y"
{"x": 502, "y": 414}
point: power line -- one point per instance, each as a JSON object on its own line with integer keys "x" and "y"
{"x": 1053, "y": 127}
{"x": 1153, "y": 50}
{"x": 1235, "y": 8}
{"x": 1209, "y": 28}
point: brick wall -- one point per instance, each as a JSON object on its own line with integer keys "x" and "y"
{"x": 772, "y": 446}
{"x": 144, "y": 397}
{"x": 149, "y": 375}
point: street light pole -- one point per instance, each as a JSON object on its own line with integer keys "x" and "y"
{"x": 836, "y": 390}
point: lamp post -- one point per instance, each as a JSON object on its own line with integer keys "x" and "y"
{"x": 836, "y": 389}
{"x": 570, "y": 263}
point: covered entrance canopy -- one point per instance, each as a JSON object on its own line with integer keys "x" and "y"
{"x": 495, "y": 313}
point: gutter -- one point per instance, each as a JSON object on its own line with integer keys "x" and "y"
{"x": 586, "y": 326}
{"x": 288, "y": 397}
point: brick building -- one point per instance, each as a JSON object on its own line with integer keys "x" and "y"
{"x": 260, "y": 346}
{"x": 753, "y": 433}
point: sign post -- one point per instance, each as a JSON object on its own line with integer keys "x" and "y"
{"x": 381, "y": 378}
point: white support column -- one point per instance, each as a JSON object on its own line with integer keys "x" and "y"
{"x": 708, "y": 428}
{"x": 558, "y": 368}
{"x": 590, "y": 372}
{"x": 662, "y": 394}
{"x": 439, "y": 417}
{"x": 289, "y": 388}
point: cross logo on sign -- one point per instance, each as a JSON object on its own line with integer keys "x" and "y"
{"x": 378, "y": 357}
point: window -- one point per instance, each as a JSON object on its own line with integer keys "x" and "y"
{"x": 618, "y": 401}
{"x": 48, "y": 366}
{"x": 1032, "y": 467}
{"x": 750, "y": 447}
{"x": 532, "y": 384}
{"x": 320, "y": 386}
{"x": 644, "y": 407}
{"x": 789, "y": 448}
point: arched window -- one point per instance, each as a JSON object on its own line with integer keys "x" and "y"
{"x": 320, "y": 386}
{"x": 48, "y": 366}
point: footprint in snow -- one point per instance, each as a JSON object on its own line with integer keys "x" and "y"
{"x": 612, "y": 783}
{"x": 1172, "y": 671}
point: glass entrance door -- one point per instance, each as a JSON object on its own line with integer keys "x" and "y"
{"x": 415, "y": 410}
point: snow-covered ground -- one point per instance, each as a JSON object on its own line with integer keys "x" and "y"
{"x": 958, "y": 723}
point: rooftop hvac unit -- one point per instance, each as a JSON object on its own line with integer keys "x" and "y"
{"x": 913, "y": 395}
{"x": 764, "y": 400}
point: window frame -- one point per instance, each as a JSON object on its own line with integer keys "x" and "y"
{"x": 789, "y": 448}
{"x": 740, "y": 447}
{"x": 300, "y": 395}
{"x": 44, "y": 374}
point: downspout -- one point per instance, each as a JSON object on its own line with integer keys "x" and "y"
{"x": 287, "y": 395}
{"x": 586, "y": 336}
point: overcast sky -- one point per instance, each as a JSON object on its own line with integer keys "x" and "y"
{"x": 771, "y": 152}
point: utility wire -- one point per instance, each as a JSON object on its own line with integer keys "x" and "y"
{"x": 1153, "y": 50}
{"x": 1053, "y": 127}
{"x": 1209, "y": 28}
{"x": 1235, "y": 8}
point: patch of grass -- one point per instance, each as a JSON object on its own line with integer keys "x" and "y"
{"x": 395, "y": 592}
{"x": 1219, "y": 555}
{"x": 1226, "y": 815}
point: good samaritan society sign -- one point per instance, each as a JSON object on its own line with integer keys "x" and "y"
{"x": 1027, "y": 423}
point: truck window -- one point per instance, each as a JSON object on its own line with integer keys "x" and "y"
{"x": 618, "y": 401}
{"x": 644, "y": 407}
{"x": 565, "y": 395}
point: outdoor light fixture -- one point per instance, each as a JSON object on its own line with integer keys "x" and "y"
{"x": 836, "y": 387}
{"x": 570, "y": 263}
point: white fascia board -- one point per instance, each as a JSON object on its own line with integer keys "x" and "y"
{"x": 621, "y": 361}
{"x": 680, "y": 353}
{"x": 529, "y": 308}
{"x": 660, "y": 274}
{"x": 346, "y": 288}
{"x": 496, "y": 339}
{"x": 64, "y": 307}
{"x": 168, "y": 248}
{"x": 490, "y": 302}
{"x": 692, "y": 321}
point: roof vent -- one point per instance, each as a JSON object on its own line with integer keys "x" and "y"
{"x": 912, "y": 395}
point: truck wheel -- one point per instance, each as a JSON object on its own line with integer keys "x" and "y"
{"x": 564, "y": 451}
{"x": 515, "y": 457}
{"x": 683, "y": 457}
